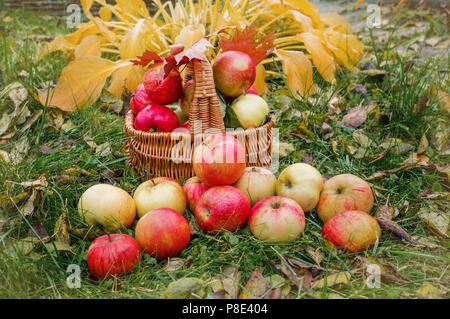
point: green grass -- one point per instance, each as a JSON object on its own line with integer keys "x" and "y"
{"x": 42, "y": 272}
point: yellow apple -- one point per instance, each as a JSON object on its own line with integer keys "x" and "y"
{"x": 107, "y": 205}
{"x": 160, "y": 192}
{"x": 302, "y": 183}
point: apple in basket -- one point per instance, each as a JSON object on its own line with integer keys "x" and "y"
{"x": 168, "y": 90}
{"x": 113, "y": 255}
{"x": 234, "y": 72}
{"x": 156, "y": 117}
{"x": 163, "y": 233}
{"x": 352, "y": 231}
{"x": 139, "y": 99}
{"x": 187, "y": 96}
{"x": 277, "y": 219}
{"x": 219, "y": 160}
{"x": 108, "y": 206}
{"x": 301, "y": 182}
{"x": 194, "y": 189}
{"x": 249, "y": 111}
{"x": 222, "y": 208}
{"x": 257, "y": 183}
{"x": 159, "y": 192}
{"x": 342, "y": 193}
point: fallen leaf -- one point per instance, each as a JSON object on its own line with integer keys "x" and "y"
{"x": 174, "y": 264}
{"x": 355, "y": 118}
{"x": 437, "y": 222}
{"x": 396, "y": 145}
{"x": 255, "y": 287}
{"x": 377, "y": 175}
{"x": 39, "y": 231}
{"x": 103, "y": 149}
{"x": 9, "y": 202}
{"x": 340, "y": 278}
{"x": 28, "y": 207}
{"x": 59, "y": 246}
{"x": 315, "y": 254}
{"x": 231, "y": 278}
{"x": 32, "y": 120}
{"x": 388, "y": 274}
{"x": 61, "y": 229}
{"x": 441, "y": 136}
{"x": 90, "y": 141}
{"x": 362, "y": 139}
{"x": 185, "y": 288}
{"x": 4, "y": 155}
{"x": 428, "y": 291}
{"x": 386, "y": 212}
{"x": 423, "y": 145}
{"x": 40, "y": 183}
{"x": 285, "y": 149}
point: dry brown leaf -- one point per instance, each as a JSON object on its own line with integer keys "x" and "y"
{"x": 231, "y": 278}
{"x": 355, "y": 118}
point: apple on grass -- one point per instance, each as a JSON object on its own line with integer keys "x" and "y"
{"x": 301, "y": 182}
{"x": 234, "y": 72}
{"x": 342, "y": 193}
{"x": 168, "y": 90}
{"x": 156, "y": 117}
{"x": 353, "y": 231}
{"x": 139, "y": 99}
{"x": 257, "y": 183}
{"x": 222, "y": 208}
{"x": 113, "y": 255}
{"x": 163, "y": 233}
{"x": 108, "y": 206}
{"x": 159, "y": 192}
{"x": 219, "y": 160}
{"x": 193, "y": 189}
{"x": 277, "y": 219}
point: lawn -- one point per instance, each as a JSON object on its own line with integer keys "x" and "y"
{"x": 397, "y": 139}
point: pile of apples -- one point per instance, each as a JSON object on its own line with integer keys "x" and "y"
{"x": 163, "y": 105}
{"x": 224, "y": 195}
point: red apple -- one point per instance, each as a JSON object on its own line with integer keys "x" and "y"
{"x": 113, "y": 254}
{"x": 234, "y": 73}
{"x": 222, "y": 207}
{"x": 194, "y": 189}
{"x": 277, "y": 219}
{"x": 139, "y": 100}
{"x": 159, "y": 192}
{"x": 163, "y": 233}
{"x": 168, "y": 90}
{"x": 352, "y": 230}
{"x": 219, "y": 160}
{"x": 344, "y": 192}
{"x": 257, "y": 183}
{"x": 187, "y": 96}
{"x": 157, "y": 117}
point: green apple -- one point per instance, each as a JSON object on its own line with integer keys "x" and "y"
{"x": 250, "y": 110}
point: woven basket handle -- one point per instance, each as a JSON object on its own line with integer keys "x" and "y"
{"x": 205, "y": 106}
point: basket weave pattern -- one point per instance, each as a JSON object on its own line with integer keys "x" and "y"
{"x": 152, "y": 153}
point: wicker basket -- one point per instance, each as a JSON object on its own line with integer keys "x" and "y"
{"x": 152, "y": 153}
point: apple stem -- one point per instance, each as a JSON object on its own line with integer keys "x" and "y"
{"x": 109, "y": 237}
